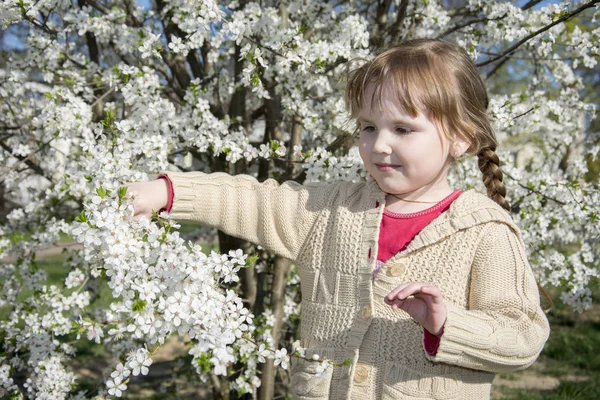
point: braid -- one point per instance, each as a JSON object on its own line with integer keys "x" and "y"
{"x": 489, "y": 164}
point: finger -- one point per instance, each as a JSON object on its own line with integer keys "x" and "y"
{"x": 397, "y": 304}
{"x": 394, "y": 293}
{"x": 140, "y": 217}
{"x": 405, "y": 290}
{"x": 130, "y": 193}
{"x": 431, "y": 293}
{"x": 406, "y": 305}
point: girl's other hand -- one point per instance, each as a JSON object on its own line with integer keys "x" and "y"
{"x": 148, "y": 196}
{"x": 423, "y": 302}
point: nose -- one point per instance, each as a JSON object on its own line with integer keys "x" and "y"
{"x": 381, "y": 143}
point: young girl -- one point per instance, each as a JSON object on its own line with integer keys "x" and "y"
{"x": 425, "y": 289}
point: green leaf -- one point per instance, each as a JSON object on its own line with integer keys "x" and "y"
{"x": 82, "y": 217}
{"x": 204, "y": 363}
{"x": 139, "y": 305}
{"x": 251, "y": 260}
{"x": 251, "y": 59}
{"x": 320, "y": 63}
{"x": 102, "y": 192}
{"x": 194, "y": 89}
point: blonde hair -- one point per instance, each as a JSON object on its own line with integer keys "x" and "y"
{"x": 439, "y": 78}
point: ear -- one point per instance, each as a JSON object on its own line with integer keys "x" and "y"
{"x": 459, "y": 147}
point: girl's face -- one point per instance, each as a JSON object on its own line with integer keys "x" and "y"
{"x": 407, "y": 156}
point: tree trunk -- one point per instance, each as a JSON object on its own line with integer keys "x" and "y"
{"x": 269, "y": 370}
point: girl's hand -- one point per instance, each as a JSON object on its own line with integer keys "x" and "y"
{"x": 423, "y": 302}
{"x": 148, "y": 196}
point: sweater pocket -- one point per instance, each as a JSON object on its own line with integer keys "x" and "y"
{"x": 308, "y": 382}
{"x": 403, "y": 382}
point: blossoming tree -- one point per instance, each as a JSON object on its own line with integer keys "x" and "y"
{"x": 97, "y": 93}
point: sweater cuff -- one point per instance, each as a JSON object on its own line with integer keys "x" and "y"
{"x": 184, "y": 196}
{"x": 171, "y": 194}
{"x": 463, "y": 330}
{"x": 431, "y": 342}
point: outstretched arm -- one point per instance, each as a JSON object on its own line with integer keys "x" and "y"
{"x": 277, "y": 217}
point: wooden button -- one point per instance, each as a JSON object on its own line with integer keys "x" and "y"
{"x": 396, "y": 270}
{"x": 361, "y": 374}
{"x": 365, "y": 313}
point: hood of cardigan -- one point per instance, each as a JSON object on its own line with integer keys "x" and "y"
{"x": 469, "y": 209}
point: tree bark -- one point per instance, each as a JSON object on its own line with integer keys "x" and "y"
{"x": 92, "y": 45}
{"x": 281, "y": 265}
{"x": 278, "y": 286}
{"x": 381, "y": 20}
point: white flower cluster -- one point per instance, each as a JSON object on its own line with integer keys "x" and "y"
{"x": 321, "y": 165}
{"x": 164, "y": 285}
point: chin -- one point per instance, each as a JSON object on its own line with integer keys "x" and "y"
{"x": 390, "y": 188}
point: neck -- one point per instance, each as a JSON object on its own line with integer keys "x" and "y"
{"x": 407, "y": 203}
{"x": 413, "y": 201}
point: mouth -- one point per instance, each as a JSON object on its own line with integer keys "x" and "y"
{"x": 383, "y": 167}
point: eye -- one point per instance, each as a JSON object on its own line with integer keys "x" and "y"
{"x": 402, "y": 130}
{"x": 368, "y": 128}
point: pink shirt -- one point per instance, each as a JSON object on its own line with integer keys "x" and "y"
{"x": 398, "y": 230}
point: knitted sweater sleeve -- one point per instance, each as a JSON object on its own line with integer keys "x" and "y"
{"x": 504, "y": 327}
{"x": 277, "y": 217}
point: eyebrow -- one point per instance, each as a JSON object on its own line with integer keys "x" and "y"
{"x": 394, "y": 122}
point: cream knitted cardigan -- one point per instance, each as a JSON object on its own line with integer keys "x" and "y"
{"x": 473, "y": 252}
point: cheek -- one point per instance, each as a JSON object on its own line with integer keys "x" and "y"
{"x": 363, "y": 146}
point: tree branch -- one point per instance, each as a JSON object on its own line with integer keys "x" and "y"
{"x": 397, "y": 31}
{"x": 468, "y": 23}
{"x": 514, "y": 47}
{"x": 531, "y": 190}
{"x": 378, "y": 30}
{"x": 496, "y": 68}
{"x": 281, "y": 268}
{"x": 39, "y": 25}
{"x": 524, "y": 114}
{"x": 32, "y": 165}
{"x": 264, "y": 46}
{"x": 530, "y": 4}
{"x": 103, "y": 9}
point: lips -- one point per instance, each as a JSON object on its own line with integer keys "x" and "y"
{"x": 383, "y": 167}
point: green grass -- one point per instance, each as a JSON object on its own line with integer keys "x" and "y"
{"x": 56, "y": 273}
{"x": 587, "y": 390}
{"x": 572, "y": 354}
{"x": 55, "y": 268}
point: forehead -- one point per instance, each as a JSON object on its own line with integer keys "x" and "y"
{"x": 385, "y": 98}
